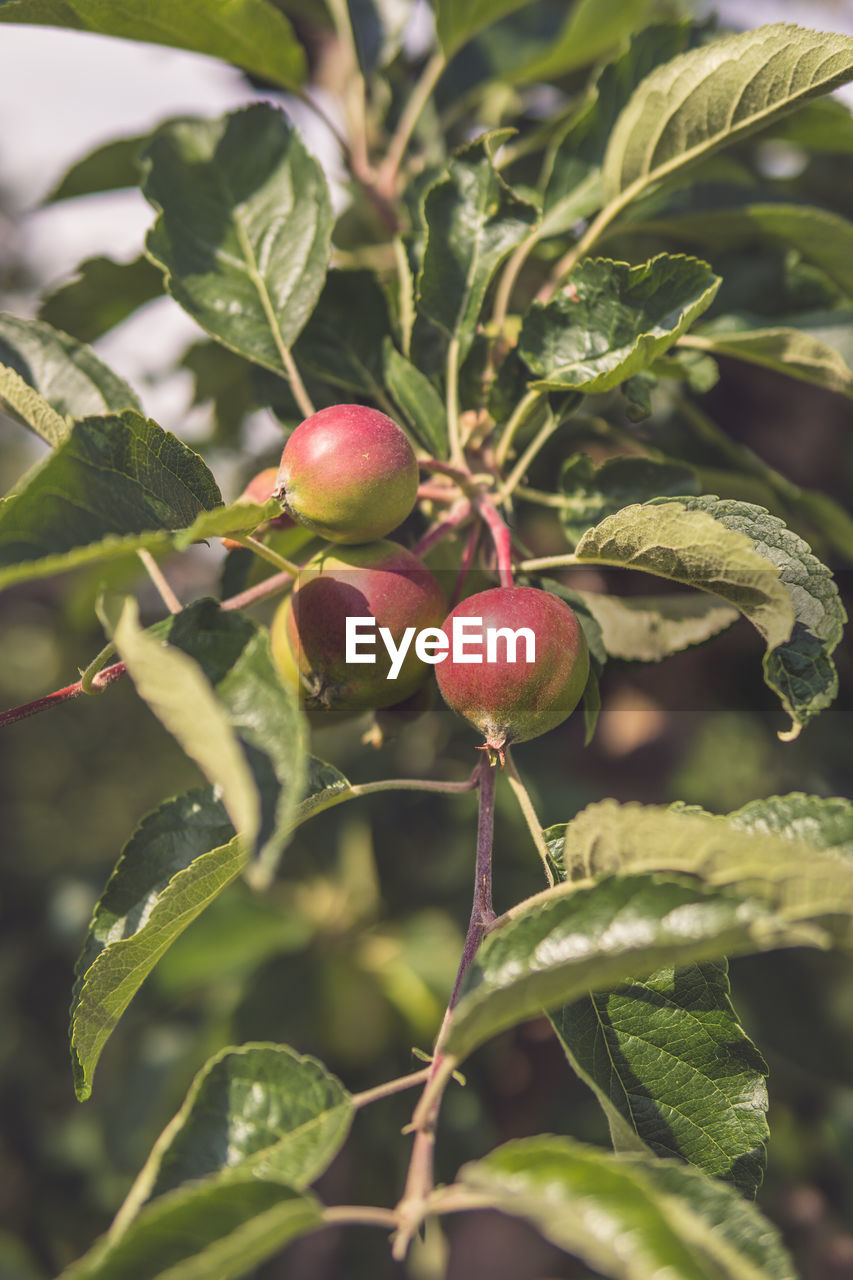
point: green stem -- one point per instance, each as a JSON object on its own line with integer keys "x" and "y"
{"x": 87, "y": 677}
{"x": 520, "y": 413}
{"x": 407, "y": 302}
{"x": 570, "y": 260}
{"x": 167, "y": 595}
{"x": 387, "y": 1090}
{"x": 457, "y": 455}
{"x": 509, "y": 275}
{"x": 269, "y": 587}
{"x": 543, "y": 435}
{"x": 359, "y": 790}
{"x": 359, "y": 1215}
{"x": 418, "y": 98}
{"x": 266, "y": 553}
{"x": 541, "y": 498}
{"x": 534, "y": 826}
{"x": 549, "y": 562}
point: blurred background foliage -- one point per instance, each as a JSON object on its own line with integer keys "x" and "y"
{"x": 352, "y": 953}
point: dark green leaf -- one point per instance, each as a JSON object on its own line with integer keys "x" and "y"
{"x": 612, "y": 320}
{"x": 669, "y": 1062}
{"x": 68, "y": 375}
{"x": 785, "y": 350}
{"x": 250, "y": 33}
{"x": 822, "y": 238}
{"x": 591, "y": 30}
{"x": 262, "y": 1108}
{"x": 628, "y": 1217}
{"x": 456, "y": 23}
{"x": 108, "y": 168}
{"x": 746, "y": 892}
{"x": 234, "y": 655}
{"x": 591, "y": 492}
{"x": 179, "y": 690}
{"x": 747, "y": 557}
{"x": 224, "y": 380}
{"x": 111, "y": 476}
{"x": 341, "y": 343}
{"x": 421, "y": 404}
{"x": 715, "y": 94}
{"x": 573, "y": 188}
{"x": 174, "y": 864}
{"x": 102, "y": 294}
{"x": 243, "y": 227}
{"x": 474, "y": 220}
{"x": 210, "y": 1230}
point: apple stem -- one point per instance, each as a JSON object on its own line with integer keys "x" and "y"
{"x": 465, "y": 565}
{"x": 59, "y": 696}
{"x": 501, "y": 537}
{"x": 419, "y": 1180}
{"x": 457, "y": 515}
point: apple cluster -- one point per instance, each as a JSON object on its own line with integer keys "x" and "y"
{"x": 348, "y": 474}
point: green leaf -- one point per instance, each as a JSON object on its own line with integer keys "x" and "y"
{"x": 822, "y": 238}
{"x": 110, "y": 167}
{"x": 559, "y": 947}
{"x": 181, "y": 696}
{"x": 591, "y": 492}
{"x": 324, "y": 785}
{"x": 243, "y": 228}
{"x": 110, "y": 477}
{"x": 573, "y": 187}
{"x": 716, "y": 94}
{"x": 650, "y": 628}
{"x": 211, "y": 1230}
{"x": 239, "y": 517}
{"x": 673, "y": 1069}
{"x": 418, "y": 399}
{"x": 67, "y": 374}
{"x": 804, "y": 880}
{"x": 474, "y": 221}
{"x": 31, "y": 408}
{"x": 628, "y": 1217}
{"x": 333, "y": 349}
{"x": 178, "y": 859}
{"x": 592, "y": 29}
{"x": 261, "y": 1109}
{"x": 214, "y": 687}
{"x": 613, "y": 320}
{"x": 253, "y": 34}
{"x": 747, "y": 557}
{"x": 234, "y": 656}
{"x": 744, "y": 893}
{"x": 820, "y": 821}
{"x": 789, "y": 351}
{"x": 101, "y": 295}
{"x": 457, "y": 23}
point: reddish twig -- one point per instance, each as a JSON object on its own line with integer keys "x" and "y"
{"x": 103, "y": 679}
{"x": 419, "y": 1180}
{"x": 56, "y": 699}
{"x": 500, "y": 536}
{"x": 465, "y": 564}
{"x": 456, "y": 516}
